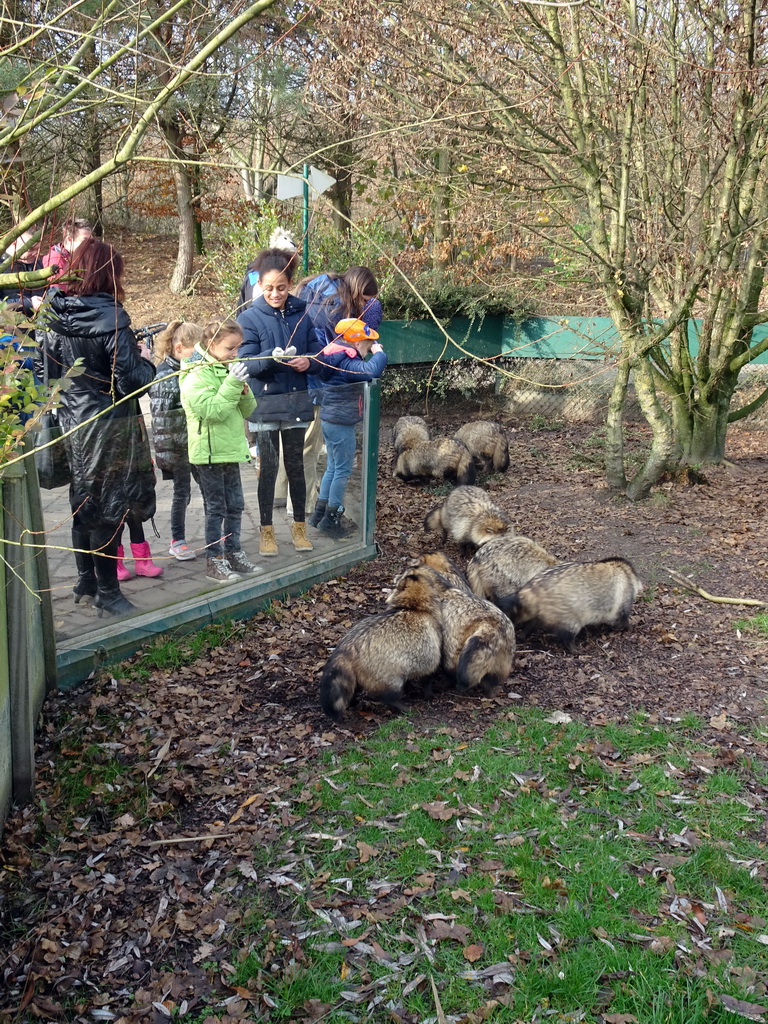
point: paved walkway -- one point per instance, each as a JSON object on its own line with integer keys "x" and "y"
{"x": 180, "y": 581}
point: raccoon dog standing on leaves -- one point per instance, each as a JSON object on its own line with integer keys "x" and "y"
{"x": 566, "y": 598}
{"x": 380, "y": 653}
{"x": 408, "y": 431}
{"x": 487, "y": 444}
{"x": 468, "y": 517}
{"x": 441, "y": 459}
{"x": 478, "y": 639}
{"x": 504, "y": 564}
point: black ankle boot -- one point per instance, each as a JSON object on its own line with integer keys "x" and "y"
{"x": 317, "y": 515}
{"x": 331, "y": 524}
{"x": 110, "y": 599}
{"x": 86, "y": 586}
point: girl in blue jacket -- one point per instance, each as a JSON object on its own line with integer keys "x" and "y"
{"x": 278, "y": 348}
{"x": 342, "y": 368}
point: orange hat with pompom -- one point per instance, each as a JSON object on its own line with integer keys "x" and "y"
{"x": 355, "y": 330}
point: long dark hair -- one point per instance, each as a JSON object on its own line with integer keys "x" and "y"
{"x": 96, "y": 267}
{"x": 354, "y": 288}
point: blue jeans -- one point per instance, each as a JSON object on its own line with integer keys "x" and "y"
{"x": 182, "y": 495}
{"x": 340, "y": 445}
{"x": 224, "y": 504}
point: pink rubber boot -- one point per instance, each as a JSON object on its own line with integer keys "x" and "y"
{"x": 123, "y": 573}
{"x": 143, "y": 558}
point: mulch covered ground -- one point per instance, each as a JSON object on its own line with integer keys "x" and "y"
{"x": 130, "y": 905}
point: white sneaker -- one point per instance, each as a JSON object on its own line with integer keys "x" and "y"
{"x": 181, "y": 550}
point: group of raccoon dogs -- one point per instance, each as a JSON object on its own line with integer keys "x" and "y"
{"x": 477, "y": 447}
{"x": 439, "y": 619}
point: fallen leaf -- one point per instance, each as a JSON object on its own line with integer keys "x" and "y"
{"x": 473, "y": 952}
{"x": 366, "y": 852}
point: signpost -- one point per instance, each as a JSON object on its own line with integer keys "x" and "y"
{"x": 290, "y": 186}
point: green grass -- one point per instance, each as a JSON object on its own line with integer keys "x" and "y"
{"x": 757, "y": 624}
{"x": 170, "y": 652}
{"x": 589, "y": 862}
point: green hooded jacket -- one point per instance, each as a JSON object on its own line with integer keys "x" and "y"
{"x": 216, "y": 407}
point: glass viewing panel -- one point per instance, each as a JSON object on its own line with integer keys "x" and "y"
{"x": 184, "y": 581}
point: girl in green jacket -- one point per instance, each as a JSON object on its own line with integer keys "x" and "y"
{"x": 216, "y": 398}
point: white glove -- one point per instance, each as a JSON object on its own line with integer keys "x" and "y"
{"x": 239, "y": 370}
{"x": 284, "y": 353}
{"x": 376, "y": 347}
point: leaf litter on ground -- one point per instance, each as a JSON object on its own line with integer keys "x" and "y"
{"x": 167, "y": 863}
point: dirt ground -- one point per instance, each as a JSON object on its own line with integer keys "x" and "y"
{"x": 101, "y": 913}
{"x": 149, "y": 262}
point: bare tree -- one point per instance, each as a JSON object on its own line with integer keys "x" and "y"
{"x": 106, "y": 67}
{"x": 652, "y": 120}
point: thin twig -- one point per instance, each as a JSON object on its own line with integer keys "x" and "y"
{"x": 441, "y": 1018}
{"x": 752, "y": 602}
{"x": 190, "y": 839}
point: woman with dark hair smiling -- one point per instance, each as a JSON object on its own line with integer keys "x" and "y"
{"x": 109, "y": 455}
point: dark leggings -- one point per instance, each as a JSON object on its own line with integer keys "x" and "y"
{"x": 135, "y": 529}
{"x": 269, "y": 456}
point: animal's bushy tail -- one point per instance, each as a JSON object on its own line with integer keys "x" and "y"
{"x": 466, "y": 470}
{"x": 336, "y": 689}
{"x": 432, "y": 520}
{"x": 501, "y": 456}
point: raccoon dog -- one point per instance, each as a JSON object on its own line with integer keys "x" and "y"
{"x": 381, "y": 652}
{"x": 504, "y": 564}
{"x": 487, "y": 444}
{"x": 468, "y": 517}
{"x": 566, "y": 598}
{"x": 408, "y": 431}
{"x": 478, "y": 639}
{"x": 441, "y": 563}
{"x": 441, "y": 459}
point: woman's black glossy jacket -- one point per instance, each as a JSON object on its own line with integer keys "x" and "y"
{"x": 109, "y": 453}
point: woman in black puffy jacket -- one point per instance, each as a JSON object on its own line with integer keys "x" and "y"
{"x": 109, "y": 454}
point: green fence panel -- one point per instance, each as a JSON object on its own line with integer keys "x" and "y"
{"x": 422, "y": 341}
{"x": 535, "y": 337}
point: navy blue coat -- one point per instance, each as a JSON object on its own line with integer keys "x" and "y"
{"x": 279, "y": 390}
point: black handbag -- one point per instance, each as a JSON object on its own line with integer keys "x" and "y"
{"x": 51, "y": 458}
{"x": 51, "y": 461}
{"x": 288, "y": 406}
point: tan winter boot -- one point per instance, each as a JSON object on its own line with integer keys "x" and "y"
{"x": 299, "y": 534}
{"x": 267, "y": 542}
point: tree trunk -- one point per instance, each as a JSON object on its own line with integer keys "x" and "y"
{"x": 664, "y": 452}
{"x": 614, "y": 453}
{"x": 182, "y": 272}
{"x": 706, "y": 441}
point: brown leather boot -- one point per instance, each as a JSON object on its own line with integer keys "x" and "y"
{"x": 299, "y": 534}
{"x": 267, "y": 542}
